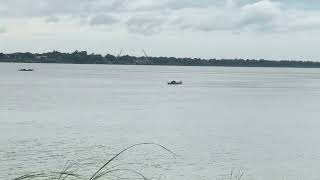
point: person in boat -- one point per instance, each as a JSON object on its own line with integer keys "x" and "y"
{"x": 175, "y": 82}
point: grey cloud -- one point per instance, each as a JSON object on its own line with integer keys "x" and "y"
{"x": 298, "y": 21}
{"x": 103, "y": 19}
{"x": 41, "y": 8}
{"x": 154, "y": 5}
{"x": 145, "y": 25}
{"x": 261, "y": 16}
{"x": 274, "y": 16}
{"x": 153, "y": 16}
{"x": 259, "y": 13}
{"x": 36, "y": 8}
{"x": 52, "y": 19}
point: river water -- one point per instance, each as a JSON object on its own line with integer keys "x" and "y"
{"x": 259, "y": 122}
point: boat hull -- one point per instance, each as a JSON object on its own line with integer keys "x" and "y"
{"x": 175, "y": 83}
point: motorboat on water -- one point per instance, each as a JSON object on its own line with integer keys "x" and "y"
{"x": 26, "y": 70}
{"x": 175, "y": 82}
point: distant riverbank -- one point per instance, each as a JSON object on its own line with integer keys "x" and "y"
{"x": 82, "y": 57}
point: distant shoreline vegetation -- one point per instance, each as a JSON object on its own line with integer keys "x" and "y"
{"x": 82, "y": 57}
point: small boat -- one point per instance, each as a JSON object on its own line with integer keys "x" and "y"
{"x": 175, "y": 83}
{"x": 25, "y": 69}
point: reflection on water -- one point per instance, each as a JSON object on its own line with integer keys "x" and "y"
{"x": 260, "y": 121}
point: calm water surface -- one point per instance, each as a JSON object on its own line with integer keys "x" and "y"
{"x": 263, "y": 122}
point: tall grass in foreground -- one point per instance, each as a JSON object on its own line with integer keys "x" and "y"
{"x": 104, "y": 172}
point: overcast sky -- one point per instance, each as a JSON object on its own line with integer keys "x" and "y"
{"x": 270, "y": 29}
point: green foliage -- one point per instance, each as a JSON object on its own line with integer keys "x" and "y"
{"x": 82, "y": 57}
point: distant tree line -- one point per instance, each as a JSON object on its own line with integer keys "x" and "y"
{"x": 82, "y": 57}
